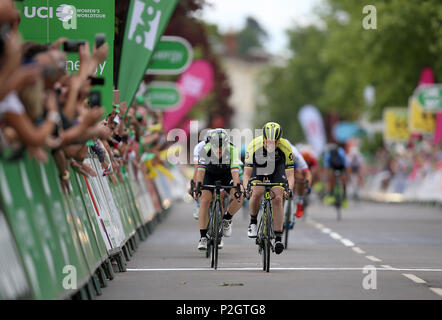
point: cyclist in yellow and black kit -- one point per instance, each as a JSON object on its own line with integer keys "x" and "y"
{"x": 269, "y": 156}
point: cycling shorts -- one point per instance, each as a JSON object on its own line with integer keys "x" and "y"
{"x": 278, "y": 175}
{"x": 226, "y": 180}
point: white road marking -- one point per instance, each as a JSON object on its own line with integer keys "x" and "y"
{"x": 437, "y": 291}
{"x": 347, "y": 243}
{"x": 358, "y": 250}
{"x": 387, "y": 266}
{"x": 373, "y": 258}
{"x": 414, "y": 278}
{"x": 335, "y": 236}
{"x": 286, "y": 268}
{"x": 326, "y": 230}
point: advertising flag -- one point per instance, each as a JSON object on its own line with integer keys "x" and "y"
{"x": 194, "y": 84}
{"x": 313, "y": 126}
{"x": 45, "y": 21}
{"x": 146, "y": 22}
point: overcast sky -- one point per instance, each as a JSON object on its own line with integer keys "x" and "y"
{"x": 274, "y": 15}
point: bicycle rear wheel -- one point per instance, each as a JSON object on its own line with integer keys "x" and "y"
{"x": 338, "y": 202}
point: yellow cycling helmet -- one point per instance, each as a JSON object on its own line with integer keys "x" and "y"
{"x": 272, "y": 131}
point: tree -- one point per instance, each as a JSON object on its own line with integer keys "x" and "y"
{"x": 251, "y": 37}
{"x": 331, "y": 66}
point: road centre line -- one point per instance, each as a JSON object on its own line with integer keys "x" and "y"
{"x": 335, "y": 236}
{"x": 387, "y": 266}
{"x": 286, "y": 269}
{"x": 358, "y": 250}
{"x": 437, "y": 291}
{"x": 413, "y": 278}
{"x": 347, "y": 243}
{"x": 373, "y": 258}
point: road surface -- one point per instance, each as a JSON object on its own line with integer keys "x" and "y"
{"x": 378, "y": 251}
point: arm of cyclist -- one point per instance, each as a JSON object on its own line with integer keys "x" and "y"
{"x": 235, "y": 165}
{"x": 290, "y": 174}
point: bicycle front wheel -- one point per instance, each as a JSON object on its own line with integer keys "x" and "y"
{"x": 267, "y": 255}
{"x": 287, "y": 216}
{"x": 216, "y": 234}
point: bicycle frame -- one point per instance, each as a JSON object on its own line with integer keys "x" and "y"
{"x": 265, "y": 228}
{"x": 214, "y": 230}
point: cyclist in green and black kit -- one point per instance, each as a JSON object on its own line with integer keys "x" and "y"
{"x": 218, "y": 161}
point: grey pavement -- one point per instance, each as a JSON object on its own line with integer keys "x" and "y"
{"x": 326, "y": 259}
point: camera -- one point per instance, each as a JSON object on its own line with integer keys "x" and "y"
{"x": 100, "y": 39}
{"x": 96, "y": 81}
{"x": 73, "y": 45}
{"x": 4, "y": 30}
{"x": 95, "y": 99}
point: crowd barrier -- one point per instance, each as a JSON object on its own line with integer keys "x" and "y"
{"x": 59, "y": 245}
{"x": 426, "y": 186}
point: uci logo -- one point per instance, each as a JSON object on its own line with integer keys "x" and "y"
{"x": 67, "y": 14}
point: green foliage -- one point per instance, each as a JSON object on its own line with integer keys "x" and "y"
{"x": 251, "y": 36}
{"x": 369, "y": 145}
{"x": 331, "y": 65}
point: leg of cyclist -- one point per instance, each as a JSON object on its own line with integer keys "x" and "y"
{"x": 254, "y": 204}
{"x": 278, "y": 218}
{"x": 331, "y": 184}
{"x": 203, "y": 218}
{"x": 299, "y": 193}
{"x": 234, "y": 206}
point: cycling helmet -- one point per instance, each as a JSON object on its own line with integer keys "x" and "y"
{"x": 219, "y": 137}
{"x": 207, "y": 135}
{"x": 272, "y": 131}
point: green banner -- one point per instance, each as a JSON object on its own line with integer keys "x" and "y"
{"x": 146, "y": 22}
{"x": 173, "y": 55}
{"x": 163, "y": 95}
{"x": 44, "y": 21}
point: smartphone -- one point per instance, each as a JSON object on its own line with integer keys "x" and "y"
{"x": 4, "y": 31}
{"x": 97, "y": 81}
{"x": 73, "y": 45}
{"x": 100, "y": 39}
{"x": 95, "y": 99}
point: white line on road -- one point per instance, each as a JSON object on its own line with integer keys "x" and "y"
{"x": 414, "y": 278}
{"x": 373, "y": 258}
{"x": 347, "y": 243}
{"x": 387, "y": 266}
{"x": 437, "y": 291}
{"x": 335, "y": 236}
{"x": 287, "y": 268}
{"x": 358, "y": 250}
{"x": 326, "y": 230}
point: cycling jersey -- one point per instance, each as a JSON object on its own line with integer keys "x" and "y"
{"x": 219, "y": 166}
{"x": 197, "y": 149}
{"x": 257, "y": 155}
{"x": 218, "y": 169}
{"x": 298, "y": 159}
{"x": 309, "y": 159}
{"x": 340, "y": 163}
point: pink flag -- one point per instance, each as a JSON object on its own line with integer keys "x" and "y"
{"x": 438, "y": 130}
{"x": 194, "y": 84}
{"x": 427, "y": 76}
